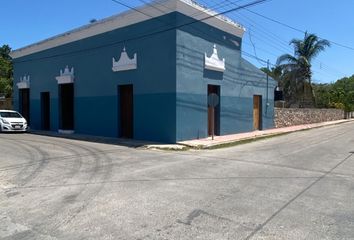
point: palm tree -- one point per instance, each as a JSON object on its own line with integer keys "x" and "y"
{"x": 297, "y": 68}
{"x": 274, "y": 72}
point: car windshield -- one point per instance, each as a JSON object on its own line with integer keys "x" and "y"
{"x": 10, "y": 115}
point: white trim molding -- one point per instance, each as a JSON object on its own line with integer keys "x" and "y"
{"x": 152, "y": 10}
{"x": 124, "y": 63}
{"x": 66, "y": 132}
{"x": 24, "y": 82}
{"x": 213, "y": 62}
{"x": 66, "y": 76}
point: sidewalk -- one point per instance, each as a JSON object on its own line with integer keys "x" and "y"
{"x": 194, "y": 144}
{"x": 221, "y": 140}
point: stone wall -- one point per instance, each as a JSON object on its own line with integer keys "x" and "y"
{"x": 6, "y": 104}
{"x": 285, "y": 117}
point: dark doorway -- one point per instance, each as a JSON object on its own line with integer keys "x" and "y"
{"x": 278, "y": 94}
{"x": 66, "y": 106}
{"x": 25, "y": 104}
{"x": 126, "y": 105}
{"x": 45, "y": 110}
{"x": 257, "y": 112}
{"x": 216, "y": 112}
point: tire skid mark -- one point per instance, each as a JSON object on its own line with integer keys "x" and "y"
{"x": 41, "y": 164}
{"x": 77, "y": 164}
{"x": 72, "y": 157}
{"x": 31, "y": 158}
{"x": 85, "y": 192}
{"x": 100, "y": 171}
{"x": 57, "y": 159}
{"x": 64, "y": 207}
{"x": 96, "y": 172}
{"x": 7, "y": 179}
{"x": 70, "y": 175}
{"x": 19, "y": 149}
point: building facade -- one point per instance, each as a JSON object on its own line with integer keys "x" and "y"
{"x": 145, "y": 76}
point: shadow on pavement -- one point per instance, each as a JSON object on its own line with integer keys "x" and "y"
{"x": 96, "y": 139}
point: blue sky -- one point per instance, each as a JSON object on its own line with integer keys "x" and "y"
{"x": 31, "y": 21}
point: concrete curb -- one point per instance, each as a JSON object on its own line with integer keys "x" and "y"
{"x": 238, "y": 138}
{"x": 220, "y": 141}
{"x": 96, "y": 139}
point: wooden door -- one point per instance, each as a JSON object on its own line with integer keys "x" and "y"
{"x": 213, "y": 113}
{"x": 25, "y": 104}
{"x": 45, "y": 110}
{"x": 257, "y": 112}
{"x": 210, "y": 120}
{"x": 126, "y": 111}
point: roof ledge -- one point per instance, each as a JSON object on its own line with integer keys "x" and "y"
{"x": 155, "y": 9}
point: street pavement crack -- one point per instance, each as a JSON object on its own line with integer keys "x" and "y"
{"x": 197, "y": 213}
{"x": 261, "y": 226}
{"x": 158, "y": 180}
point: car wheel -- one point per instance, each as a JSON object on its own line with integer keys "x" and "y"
{"x": 0, "y": 128}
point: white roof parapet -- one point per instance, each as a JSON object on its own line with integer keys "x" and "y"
{"x": 24, "y": 82}
{"x": 66, "y": 76}
{"x": 155, "y": 9}
{"x": 200, "y": 7}
{"x": 124, "y": 63}
{"x": 214, "y": 63}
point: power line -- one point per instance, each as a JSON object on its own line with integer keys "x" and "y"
{"x": 209, "y": 17}
{"x": 220, "y": 5}
{"x": 297, "y": 29}
{"x": 254, "y": 47}
{"x": 276, "y": 38}
{"x": 257, "y": 58}
{"x": 246, "y": 53}
{"x": 148, "y": 34}
{"x": 266, "y": 32}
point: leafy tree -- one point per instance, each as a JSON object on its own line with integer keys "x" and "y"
{"x": 296, "y": 68}
{"x": 6, "y": 71}
{"x": 323, "y": 95}
{"x": 343, "y": 94}
{"x": 274, "y": 72}
{"x": 336, "y": 95}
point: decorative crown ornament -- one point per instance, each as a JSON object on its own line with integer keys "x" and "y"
{"x": 24, "y": 82}
{"x": 213, "y": 62}
{"x": 66, "y": 76}
{"x": 124, "y": 63}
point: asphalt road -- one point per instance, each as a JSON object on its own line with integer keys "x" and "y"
{"x": 297, "y": 186}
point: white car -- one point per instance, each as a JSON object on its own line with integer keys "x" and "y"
{"x": 12, "y": 121}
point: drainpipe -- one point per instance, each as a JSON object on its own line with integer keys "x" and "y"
{"x": 267, "y": 93}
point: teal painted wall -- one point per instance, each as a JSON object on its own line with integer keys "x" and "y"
{"x": 238, "y": 84}
{"x": 96, "y": 105}
{"x": 170, "y": 84}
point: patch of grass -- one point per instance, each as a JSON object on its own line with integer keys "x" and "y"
{"x": 184, "y": 149}
{"x": 171, "y": 149}
{"x": 245, "y": 141}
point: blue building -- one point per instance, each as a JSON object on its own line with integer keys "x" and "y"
{"x": 145, "y": 75}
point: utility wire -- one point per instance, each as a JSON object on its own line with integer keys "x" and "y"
{"x": 297, "y": 29}
{"x": 217, "y": 6}
{"x": 254, "y": 46}
{"x": 275, "y": 38}
{"x": 209, "y": 17}
{"x": 148, "y": 34}
{"x": 261, "y": 61}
